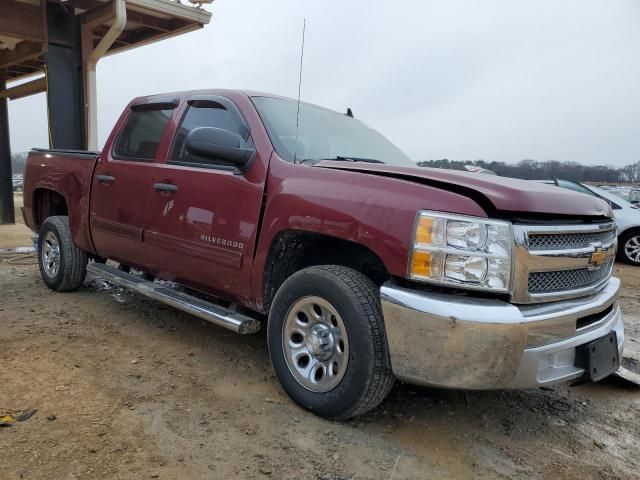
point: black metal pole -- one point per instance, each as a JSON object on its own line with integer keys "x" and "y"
{"x": 7, "y": 213}
{"x": 65, "y": 95}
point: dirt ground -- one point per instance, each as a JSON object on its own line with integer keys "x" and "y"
{"x": 18, "y": 234}
{"x": 126, "y": 388}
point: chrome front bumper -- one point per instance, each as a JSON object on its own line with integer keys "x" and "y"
{"x": 472, "y": 343}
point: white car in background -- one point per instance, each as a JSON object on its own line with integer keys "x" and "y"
{"x": 17, "y": 183}
{"x": 631, "y": 195}
{"x": 626, "y": 214}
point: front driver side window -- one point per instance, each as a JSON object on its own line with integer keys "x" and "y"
{"x": 201, "y": 114}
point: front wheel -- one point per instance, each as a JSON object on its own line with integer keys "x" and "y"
{"x": 629, "y": 247}
{"x": 63, "y": 266}
{"x": 327, "y": 341}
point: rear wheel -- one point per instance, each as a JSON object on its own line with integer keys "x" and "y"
{"x": 63, "y": 266}
{"x": 327, "y": 341}
{"x": 629, "y": 247}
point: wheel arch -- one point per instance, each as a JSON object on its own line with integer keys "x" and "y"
{"x": 622, "y": 253}
{"x": 292, "y": 250}
{"x": 630, "y": 228}
{"x": 48, "y": 203}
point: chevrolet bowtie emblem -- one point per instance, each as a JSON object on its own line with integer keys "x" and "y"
{"x": 598, "y": 258}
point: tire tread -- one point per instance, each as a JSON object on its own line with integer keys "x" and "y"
{"x": 368, "y": 296}
{"x": 73, "y": 261}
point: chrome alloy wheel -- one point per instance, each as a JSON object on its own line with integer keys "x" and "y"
{"x": 315, "y": 343}
{"x": 50, "y": 254}
{"x": 632, "y": 249}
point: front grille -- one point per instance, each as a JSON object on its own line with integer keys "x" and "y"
{"x": 557, "y": 262}
{"x": 567, "y": 241}
{"x": 566, "y": 280}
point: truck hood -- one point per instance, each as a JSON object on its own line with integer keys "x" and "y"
{"x": 492, "y": 193}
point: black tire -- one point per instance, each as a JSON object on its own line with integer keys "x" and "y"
{"x": 72, "y": 267}
{"x": 628, "y": 236}
{"x": 368, "y": 378}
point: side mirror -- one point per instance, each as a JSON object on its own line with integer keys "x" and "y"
{"x": 218, "y": 144}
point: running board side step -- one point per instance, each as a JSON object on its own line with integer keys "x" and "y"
{"x": 208, "y": 311}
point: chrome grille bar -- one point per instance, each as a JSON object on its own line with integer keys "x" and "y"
{"x": 564, "y": 241}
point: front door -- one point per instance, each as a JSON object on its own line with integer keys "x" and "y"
{"x": 121, "y": 183}
{"x": 202, "y": 215}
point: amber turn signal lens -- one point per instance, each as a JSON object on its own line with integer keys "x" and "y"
{"x": 421, "y": 264}
{"x": 424, "y": 230}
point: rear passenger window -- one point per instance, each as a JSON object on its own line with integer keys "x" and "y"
{"x": 141, "y": 135}
{"x": 201, "y": 114}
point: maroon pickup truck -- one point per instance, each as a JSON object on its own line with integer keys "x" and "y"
{"x": 364, "y": 267}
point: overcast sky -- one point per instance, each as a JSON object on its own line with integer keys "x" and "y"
{"x": 493, "y": 80}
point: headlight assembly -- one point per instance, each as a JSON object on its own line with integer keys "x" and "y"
{"x": 464, "y": 252}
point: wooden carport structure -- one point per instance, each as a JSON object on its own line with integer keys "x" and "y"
{"x": 53, "y": 46}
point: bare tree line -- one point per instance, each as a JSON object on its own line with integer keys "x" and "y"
{"x": 18, "y": 161}
{"x": 536, "y": 170}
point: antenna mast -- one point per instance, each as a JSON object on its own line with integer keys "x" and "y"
{"x": 295, "y": 151}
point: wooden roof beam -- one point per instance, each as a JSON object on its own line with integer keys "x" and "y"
{"x": 25, "y": 89}
{"x": 23, "y": 21}
{"x": 23, "y": 51}
{"x": 101, "y": 31}
{"x": 19, "y": 70}
{"x": 85, "y": 4}
{"x": 148, "y": 21}
{"x": 98, "y": 15}
{"x": 33, "y": 63}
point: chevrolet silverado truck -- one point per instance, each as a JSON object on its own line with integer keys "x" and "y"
{"x": 364, "y": 267}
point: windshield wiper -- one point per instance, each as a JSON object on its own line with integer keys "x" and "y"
{"x": 340, "y": 158}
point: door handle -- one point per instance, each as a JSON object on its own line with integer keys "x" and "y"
{"x": 105, "y": 178}
{"x": 165, "y": 187}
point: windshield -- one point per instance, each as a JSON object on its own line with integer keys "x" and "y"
{"x": 576, "y": 187}
{"x": 324, "y": 134}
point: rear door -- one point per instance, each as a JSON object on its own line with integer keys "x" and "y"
{"x": 122, "y": 180}
{"x": 203, "y": 214}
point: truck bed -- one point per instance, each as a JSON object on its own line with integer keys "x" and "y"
{"x": 61, "y": 180}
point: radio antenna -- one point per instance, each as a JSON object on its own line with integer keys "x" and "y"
{"x": 295, "y": 151}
